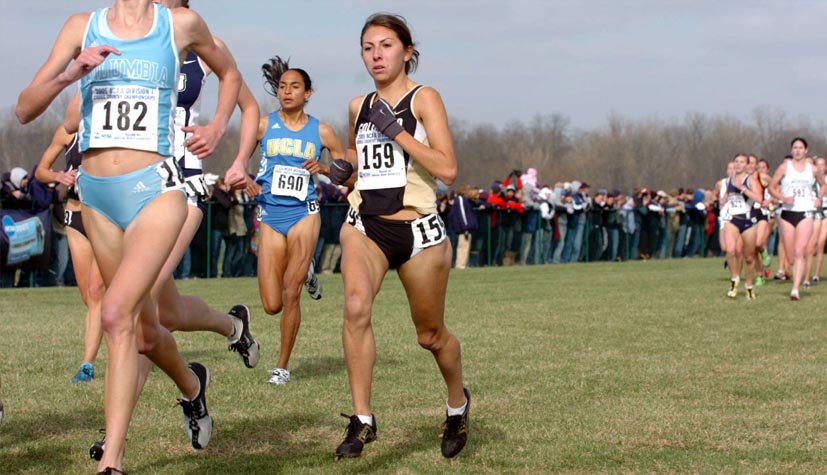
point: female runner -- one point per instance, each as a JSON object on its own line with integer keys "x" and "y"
{"x": 739, "y": 227}
{"x": 127, "y": 60}
{"x": 87, "y": 274}
{"x": 400, "y": 144}
{"x": 291, "y": 144}
{"x": 815, "y": 249}
{"x": 761, "y": 219}
{"x": 792, "y": 185}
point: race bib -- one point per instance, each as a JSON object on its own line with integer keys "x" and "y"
{"x": 355, "y": 220}
{"x": 171, "y": 175}
{"x": 195, "y": 186}
{"x": 290, "y": 181}
{"x": 381, "y": 165}
{"x": 313, "y": 207}
{"x": 803, "y": 198}
{"x": 124, "y": 116}
{"x": 737, "y": 205}
{"x": 428, "y": 231}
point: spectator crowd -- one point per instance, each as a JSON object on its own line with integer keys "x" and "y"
{"x": 518, "y": 220}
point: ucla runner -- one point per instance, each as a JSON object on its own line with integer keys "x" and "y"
{"x": 291, "y": 142}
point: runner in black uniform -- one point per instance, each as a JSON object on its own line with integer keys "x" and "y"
{"x": 87, "y": 274}
{"x": 399, "y": 145}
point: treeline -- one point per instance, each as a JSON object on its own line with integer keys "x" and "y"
{"x": 658, "y": 153}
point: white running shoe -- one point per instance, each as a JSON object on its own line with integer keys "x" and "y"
{"x": 196, "y": 417}
{"x": 244, "y": 344}
{"x": 794, "y": 295}
{"x": 279, "y": 376}
{"x": 312, "y": 284}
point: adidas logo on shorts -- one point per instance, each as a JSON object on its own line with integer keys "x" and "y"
{"x": 139, "y": 188}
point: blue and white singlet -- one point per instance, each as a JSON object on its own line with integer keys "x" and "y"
{"x": 283, "y": 180}
{"x": 128, "y": 101}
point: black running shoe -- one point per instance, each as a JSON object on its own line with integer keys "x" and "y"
{"x": 96, "y": 450}
{"x": 356, "y": 436}
{"x": 111, "y": 471}
{"x": 196, "y": 418}
{"x": 245, "y": 345}
{"x": 455, "y": 430}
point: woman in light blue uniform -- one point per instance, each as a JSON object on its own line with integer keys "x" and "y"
{"x": 127, "y": 57}
{"x": 291, "y": 143}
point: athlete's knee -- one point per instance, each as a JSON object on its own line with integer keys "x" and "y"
{"x": 116, "y": 321}
{"x": 271, "y": 306}
{"x": 95, "y": 291}
{"x": 358, "y": 308}
{"x": 433, "y": 339}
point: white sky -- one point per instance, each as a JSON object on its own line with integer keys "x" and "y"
{"x": 497, "y": 61}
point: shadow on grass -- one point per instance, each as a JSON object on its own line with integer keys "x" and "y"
{"x": 269, "y": 446}
{"x": 22, "y": 446}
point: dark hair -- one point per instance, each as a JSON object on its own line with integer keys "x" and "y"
{"x": 399, "y": 26}
{"x": 764, "y": 162}
{"x": 185, "y": 3}
{"x": 799, "y": 139}
{"x": 274, "y": 68}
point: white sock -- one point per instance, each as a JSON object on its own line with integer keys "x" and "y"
{"x": 456, "y": 412}
{"x": 365, "y": 419}
{"x": 238, "y": 327}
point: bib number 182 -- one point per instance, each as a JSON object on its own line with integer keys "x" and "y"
{"x": 124, "y": 113}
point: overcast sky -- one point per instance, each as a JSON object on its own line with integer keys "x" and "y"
{"x": 494, "y": 61}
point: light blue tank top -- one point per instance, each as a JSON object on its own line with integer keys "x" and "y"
{"x": 283, "y": 181}
{"x": 128, "y": 101}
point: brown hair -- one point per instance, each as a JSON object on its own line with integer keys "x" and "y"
{"x": 399, "y": 26}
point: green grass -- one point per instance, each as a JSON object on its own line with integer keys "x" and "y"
{"x": 635, "y": 368}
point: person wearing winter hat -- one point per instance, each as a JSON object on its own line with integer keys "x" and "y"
{"x": 15, "y": 184}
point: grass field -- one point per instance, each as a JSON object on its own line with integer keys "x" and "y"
{"x": 633, "y": 368}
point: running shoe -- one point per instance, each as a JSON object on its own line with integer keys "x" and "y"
{"x": 312, "y": 284}
{"x": 111, "y": 471}
{"x": 767, "y": 272}
{"x": 196, "y": 417}
{"x": 806, "y": 284}
{"x": 780, "y": 275}
{"x": 244, "y": 344}
{"x": 279, "y": 377}
{"x": 815, "y": 279}
{"x": 85, "y": 373}
{"x": 733, "y": 289}
{"x": 765, "y": 258}
{"x": 357, "y": 435}
{"x": 759, "y": 281}
{"x": 794, "y": 295}
{"x": 97, "y": 448}
{"x": 750, "y": 294}
{"x": 455, "y": 430}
